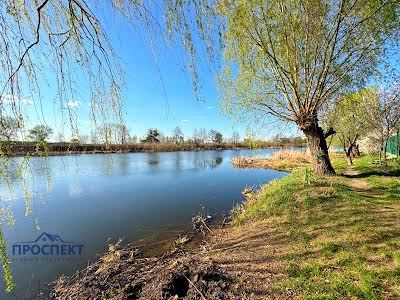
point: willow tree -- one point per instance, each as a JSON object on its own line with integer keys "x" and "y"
{"x": 349, "y": 119}
{"x": 64, "y": 44}
{"x": 383, "y": 113}
{"x": 288, "y": 59}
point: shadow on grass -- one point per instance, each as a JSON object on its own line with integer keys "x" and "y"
{"x": 387, "y": 173}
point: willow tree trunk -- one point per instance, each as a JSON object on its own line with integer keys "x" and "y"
{"x": 355, "y": 150}
{"x": 316, "y": 142}
{"x": 349, "y": 153}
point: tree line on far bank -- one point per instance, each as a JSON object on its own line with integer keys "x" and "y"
{"x": 117, "y": 137}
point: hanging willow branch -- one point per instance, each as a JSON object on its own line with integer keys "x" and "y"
{"x": 63, "y": 44}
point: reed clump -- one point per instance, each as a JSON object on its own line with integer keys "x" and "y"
{"x": 285, "y": 160}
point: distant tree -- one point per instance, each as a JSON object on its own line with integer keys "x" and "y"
{"x": 75, "y": 141}
{"x": 83, "y": 138}
{"x": 132, "y": 139}
{"x": 218, "y": 138}
{"x": 215, "y": 137}
{"x": 203, "y": 135}
{"x": 103, "y": 134}
{"x": 8, "y": 128}
{"x": 298, "y": 140}
{"x": 195, "y": 136}
{"x": 80, "y": 139}
{"x": 163, "y": 138}
{"x": 384, "y": 114}
{"x": 94, "y": 136}
{"x": 40, "y": 133}
{"x": 277, "y": 138}
{"x": 200, "y": 136}
{"x": 211, "y": 135}
{"x": 60, "y": 137}
{"x": 177, "y": 135}
{"x": 252, "y": 143}
{"x": 349, "y": 121}
{"x": 235, "y": 137}
{"x": 123, "y": 133}
{"x": 153, "y": 136}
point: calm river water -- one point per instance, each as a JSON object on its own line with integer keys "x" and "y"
{"x": 93, "y": 200}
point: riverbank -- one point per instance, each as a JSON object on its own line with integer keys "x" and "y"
{"x": 56, "y": 149}
{"x": 303, "y": 236}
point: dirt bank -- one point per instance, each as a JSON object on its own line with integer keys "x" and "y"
{"x": 123, "y": 273}
{"x": 197, "y": 266}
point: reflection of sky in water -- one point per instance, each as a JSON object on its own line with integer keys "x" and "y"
{"x": 74, "y": 190}
{"x": 91, "y": 198}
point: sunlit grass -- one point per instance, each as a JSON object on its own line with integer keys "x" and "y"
{"x": 345, "y": 230}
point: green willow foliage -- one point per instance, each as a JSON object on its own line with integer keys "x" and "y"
{"x": 289, "y": 58}
{"x": 6, "y": 266}
{"x": 197, "y": 26}
{"x": 349, "y": 118}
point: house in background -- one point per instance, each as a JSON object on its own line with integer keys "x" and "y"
{"x": 393, "y": 145}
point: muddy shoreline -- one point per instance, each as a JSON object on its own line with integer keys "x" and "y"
{"x": 128, "y": 271}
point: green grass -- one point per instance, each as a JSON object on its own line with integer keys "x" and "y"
{"x": 345, "y": 231}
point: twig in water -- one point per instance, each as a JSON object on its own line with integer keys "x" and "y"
{"x": 206, "y": 226}
{"x": 223, "y": 223}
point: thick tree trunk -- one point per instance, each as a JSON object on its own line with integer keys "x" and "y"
{"x": 317, "y": 145}
{"x": 349, "y": 153}
{"x": 355, "y": 151}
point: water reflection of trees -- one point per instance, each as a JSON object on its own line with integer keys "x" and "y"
{"x": 35, "y": 167}
{"x": 153, "y": 160}
{"x": 208, "y": 163}
{"x": 181, "y": 161}
{"x": 123, "y": 163}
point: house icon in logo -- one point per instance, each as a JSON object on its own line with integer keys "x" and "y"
{"x": 47, "y": 237}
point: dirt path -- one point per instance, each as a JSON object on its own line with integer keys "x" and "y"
{"x": 254, "y": 256}
{"x": 358, "y": 185}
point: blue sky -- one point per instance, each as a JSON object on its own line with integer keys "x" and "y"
{"x": 146, "y": 103}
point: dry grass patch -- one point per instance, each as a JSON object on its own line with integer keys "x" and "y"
{"x": 287, "y": 160}
{"x": 282, "y": 160}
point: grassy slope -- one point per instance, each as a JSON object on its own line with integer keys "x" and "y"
{"x": 335, "y": 237}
